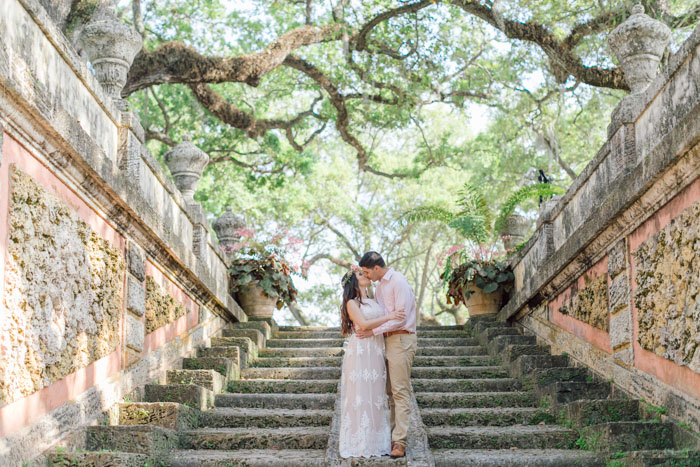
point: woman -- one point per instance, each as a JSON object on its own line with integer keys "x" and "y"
{"x": 364, "y": 413}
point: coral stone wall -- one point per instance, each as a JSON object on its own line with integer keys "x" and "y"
{"x": 590, "y": 305}
{"x": 667, "y": 294}
{"x": 161, "y": 307}
{"x": 63, "y": 292}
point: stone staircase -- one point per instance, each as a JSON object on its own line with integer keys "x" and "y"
{"x": 488, "y": 396}
{"x": 520, "y": 406}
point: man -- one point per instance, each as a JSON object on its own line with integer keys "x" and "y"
{"x": 394, "y": 294}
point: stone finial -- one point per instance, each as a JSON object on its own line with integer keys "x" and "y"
{"x": 227, "y": 227}
{"x": 186, "y": 163}
{"x": 639, "y": 43}
{"x": 111, "y": 47}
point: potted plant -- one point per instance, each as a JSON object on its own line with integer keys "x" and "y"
{"x": 260, "y": 276}
{"x": 474, "y": 273}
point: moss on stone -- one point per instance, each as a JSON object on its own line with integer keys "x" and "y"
{"x": 161, "y": 307}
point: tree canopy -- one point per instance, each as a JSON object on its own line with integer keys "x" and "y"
{"x": 333, "y": 117}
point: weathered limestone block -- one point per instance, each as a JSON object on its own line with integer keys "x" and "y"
{"x": 134, "y": 332}
{"x": 620, "y": 328}
{"x": 163, "y": 414}
{"x": 590, "y": 304}
{"x": 619, "y": 293}
{"x": 667, "y": 296}
{"x": 63, "y": 292}
{"x": 161, "y": 308}
{"x": 136, "y": 261}
{"x": 617, "y": 261}
{"x": 135, "y": 296}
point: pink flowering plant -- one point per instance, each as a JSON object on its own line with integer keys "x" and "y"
{"x": 269, "y": 263}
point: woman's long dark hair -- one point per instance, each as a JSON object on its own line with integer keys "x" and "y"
{"x": 351, "y": 291}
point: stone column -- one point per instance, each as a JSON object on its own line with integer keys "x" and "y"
{"x": 619, "y": 303}
{"x": 135, "y": 329}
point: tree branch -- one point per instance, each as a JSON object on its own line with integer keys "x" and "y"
{"x": 174, "y": 62}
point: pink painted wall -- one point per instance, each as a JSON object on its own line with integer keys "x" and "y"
{"x": 23, "y": 412}
{"x": 667, "y": 371}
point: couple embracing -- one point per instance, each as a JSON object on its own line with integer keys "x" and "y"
{"x": 376, "y": 377}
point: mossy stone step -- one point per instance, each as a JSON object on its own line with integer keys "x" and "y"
{"x": 446, "y": 342}
{"x": 569, "y": 391}
{"x": 465, "y": 385}
{"x": 301, "y": 352}
{"x": 291, "y": 373}
{"x": 249, "y": 350}
{"x": 277, "y": 343}
{"x": 542, "y": 377}
{"x": 525, "y": 364}
{"x": 498, "y": 416}
{"x": 308, "y": 335}
{"x": 140, "y": 439}
{"x": 255, "y": 438}
{"x": 224, "y": 366}
{"x": 169, "y": 415}
{"x": 516, "y": 457}
{"x": 191, "y": 395}
{"x": 488, "y": 334}
{"x": 666, "y": 457}
{"x": 451, "y": 351}
{"x": 440, "y": 328}
{"x": 309, "y": 328}
{"x": 210, "y": 379}
{"x": 254, "y": 335}
{"x": 261, "y": 326}
{"x": 457, "y": 334}
{"x": 234, "y": 417}
{"x": 498, "y": 437}
{"x": 595, "y": 412}
{"x": 480, "y": 327}
{"x": 276, "y": 401}
{"x": 497, "y": 344}
{"x": 97, "y": 459}
{"x": 247, "y": 458}
{"x": 514, "y": 351}
{"x": 459, "y": 360}
{"x": 453, "y": 372}
{"x": 286, "y": 386}
{"x": 231, "y": 352}
{"x": 476, "y": 399}
{"x": 628, "y": 436}
{"x": 297, "y": 362}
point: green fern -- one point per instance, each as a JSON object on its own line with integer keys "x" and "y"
{"x": 526, "y": 192}
{"x": 429, "y": 213}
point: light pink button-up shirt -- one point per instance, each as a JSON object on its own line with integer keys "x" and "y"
{"x": 395, "y": 293}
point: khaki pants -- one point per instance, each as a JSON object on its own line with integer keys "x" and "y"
{"x": 400, "y": 350}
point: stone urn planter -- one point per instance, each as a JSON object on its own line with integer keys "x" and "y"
{"x": 514, "y": 230}
{"x": 255, "y": 303}
{"x": 110, "y": 46}
{"x": 480, "y": 303}
{"x": 186, "y": 163}
{"x": 639, "y": 43}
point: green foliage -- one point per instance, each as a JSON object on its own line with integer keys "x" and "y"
{"x": 487, "y": 276}
{"x": 265, "y": 269}
{"x": 544, "y": 190}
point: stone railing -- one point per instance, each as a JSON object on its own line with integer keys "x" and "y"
{"x": 109, "y": 274}
{"x": 611, "y": 274}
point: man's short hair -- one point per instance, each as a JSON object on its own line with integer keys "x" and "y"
{"x": 372, "y": 259}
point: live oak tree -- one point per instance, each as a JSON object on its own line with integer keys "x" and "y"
{"x": 332, "y": 117}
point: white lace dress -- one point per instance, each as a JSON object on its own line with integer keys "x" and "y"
{"x": 364, "y": 416}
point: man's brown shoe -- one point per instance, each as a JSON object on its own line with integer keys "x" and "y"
{"x": 397, "y": 451}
